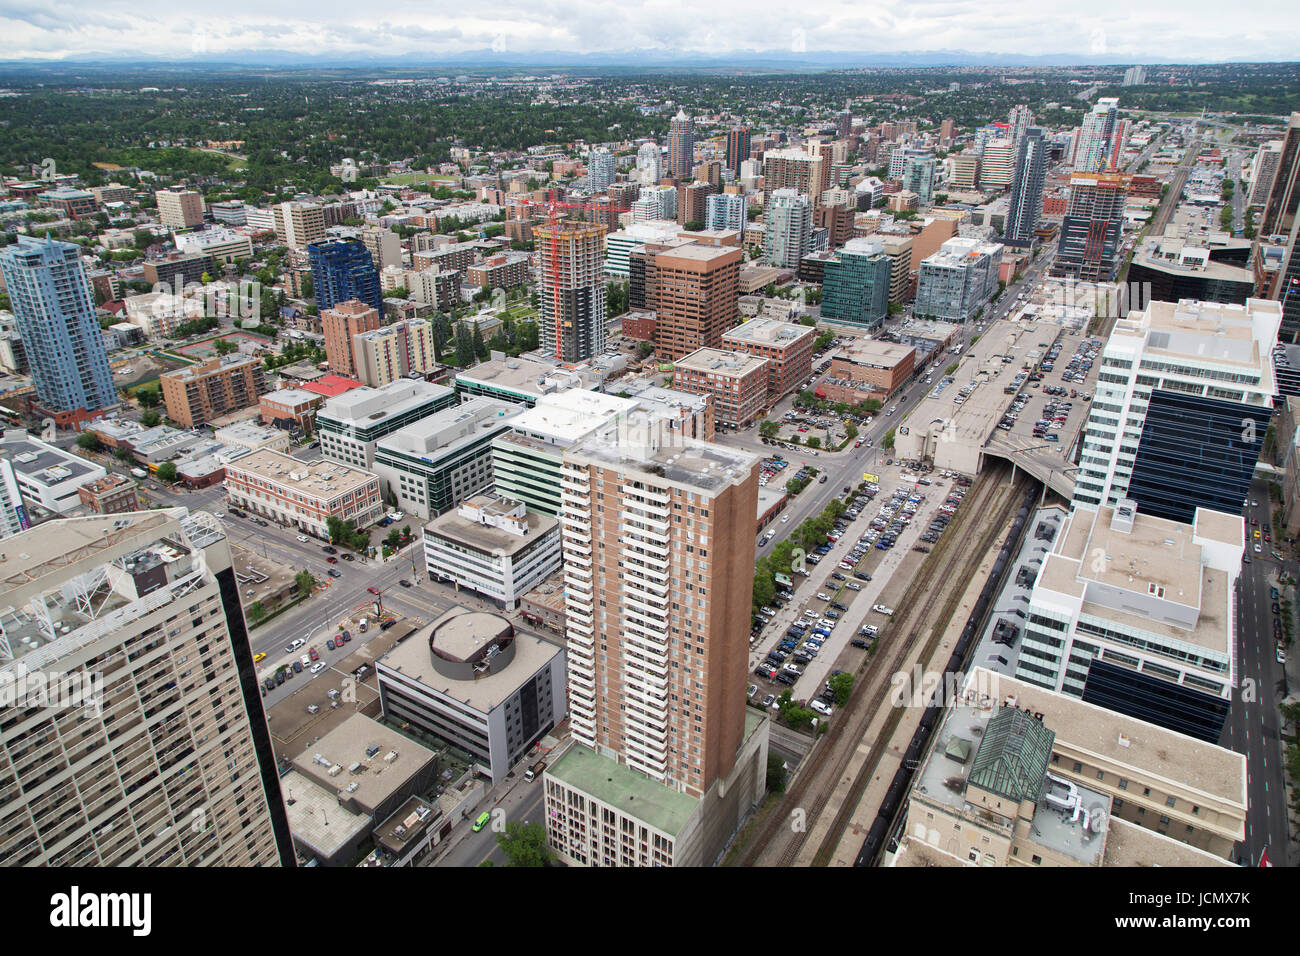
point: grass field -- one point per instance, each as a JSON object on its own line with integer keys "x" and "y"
{"x": 518, "y": 312}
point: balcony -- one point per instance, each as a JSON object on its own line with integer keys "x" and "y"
{"x": 650, "y": 622}
{"x": 659, "y": 498}
{"x": 638, "y": 605}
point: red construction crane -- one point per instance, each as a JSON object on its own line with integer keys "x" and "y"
{"x": 552, "y": 205}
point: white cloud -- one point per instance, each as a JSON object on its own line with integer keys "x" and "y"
{"x": 1186, "y": 30}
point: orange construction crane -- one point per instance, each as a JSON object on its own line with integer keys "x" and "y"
{"x": 552, "y": 206}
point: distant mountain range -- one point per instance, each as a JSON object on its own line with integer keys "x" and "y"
{"x": 479, "y": 61}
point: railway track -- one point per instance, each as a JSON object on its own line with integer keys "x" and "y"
{"x": 828, "y": 761}
{"x": 988, "y": 537}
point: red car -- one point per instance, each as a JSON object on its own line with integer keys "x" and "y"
{"x": 314, "y": 654}
{"x": 373, "y": 590}
{"x": 332, "y": 560}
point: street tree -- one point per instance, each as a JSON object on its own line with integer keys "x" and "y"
{"x": 524, "y": 844}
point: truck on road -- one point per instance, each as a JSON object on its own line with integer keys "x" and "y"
{"x": 535, "y": 771}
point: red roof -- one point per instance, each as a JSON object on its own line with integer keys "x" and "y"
{"x": 331, "y": 385}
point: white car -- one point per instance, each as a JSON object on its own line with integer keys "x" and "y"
{"x": 296, "y": 643}
{"x": 784, "y": 518}
{"x": 827, "y": 623}
{"x": 303, "y": 538}
{"x": 318, "y": 667}
{"x": 305, "y": 661}
{"x": 881, "y": 609}
{"x": 820, "y": 706}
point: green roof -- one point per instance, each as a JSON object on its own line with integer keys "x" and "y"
{"x": 1013, "y": 755}
{"x": 619, "y": 786}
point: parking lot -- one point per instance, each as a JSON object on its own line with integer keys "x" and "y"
{"x": 1054, "y": 407}
{"x": 832, "y": 607}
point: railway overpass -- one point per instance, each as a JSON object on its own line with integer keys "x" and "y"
{"x": 1046, "y": 462}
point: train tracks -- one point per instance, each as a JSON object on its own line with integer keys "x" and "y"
{"x": 937, "y": 589}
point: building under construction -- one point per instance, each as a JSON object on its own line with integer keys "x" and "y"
{"x": 573, "y": 289}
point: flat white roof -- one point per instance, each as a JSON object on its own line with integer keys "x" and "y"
{"x": 571, "y": 414}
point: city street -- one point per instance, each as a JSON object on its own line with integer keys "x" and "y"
{"x": 1253, "y": 725}
{"x": 521, "y": 800}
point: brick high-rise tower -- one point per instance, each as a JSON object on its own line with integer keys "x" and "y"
{"x": 658, "y": 551}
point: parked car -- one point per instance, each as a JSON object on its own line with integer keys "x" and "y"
{"x": 881, "y": 609}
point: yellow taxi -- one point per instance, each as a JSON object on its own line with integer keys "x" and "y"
{"x": 258, "y": 657}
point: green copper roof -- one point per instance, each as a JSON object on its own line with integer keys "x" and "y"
{"x": 1013, "y": 755}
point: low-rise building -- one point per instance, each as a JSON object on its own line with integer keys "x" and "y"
{"x": 252, "y": 437}
{"x": 787, "y": 347}
{"x": 476, "y": 680}
{"x": 506, "y": 270}
{"x": 868, "y": 369}
{"x": 437, "y": 462}
{"x": 70, "y": 203}
{"x": 158, "y": 314}
{"x": 347, "y": 783}
{"x": 521, "y": 380}
{"x": 544, "y": 604}
{"x": 1023, "y": 776}
{"x": 349, "y": 426}
{"x": 639, "y": 325}
{"x": 686, "y": 414}
{"x": 48, "y": 477}
{"x": 303, "y": 495}
{"x": 493, "y": 546}
{"x": 225, "y": 245}
{"x": 290, "y": 408}
{"x": 737, "y": 381}
{"x": 112, "y": 494}
{"x": 528, "y": 458}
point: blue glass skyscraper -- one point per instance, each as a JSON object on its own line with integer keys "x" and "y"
{"x": 342, "y": 269}
{"x": 55, "y": 312}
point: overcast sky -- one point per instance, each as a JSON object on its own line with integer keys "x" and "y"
{"x": 1186, "y": 30}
